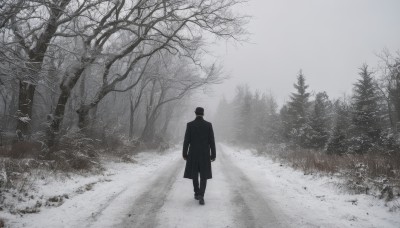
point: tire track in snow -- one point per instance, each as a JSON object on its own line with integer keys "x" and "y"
{"x": 252, "y": 208}
{"x": 182, "y": 210}
{"x": 98, "y": 213}
{"x": 145, "y": 208}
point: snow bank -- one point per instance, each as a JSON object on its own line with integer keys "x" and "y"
{"x": 311, "y": 200}
{"x": 80, "y": 200}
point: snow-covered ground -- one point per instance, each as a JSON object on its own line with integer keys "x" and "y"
{"x": 89, "y": 197}
{"x": 311, "y": 200}
{"x": 246, "y": 191}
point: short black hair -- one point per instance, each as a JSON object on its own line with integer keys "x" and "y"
{"x": 199, "y": 111}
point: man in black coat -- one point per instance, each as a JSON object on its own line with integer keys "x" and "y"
{"x": 199, "y": 139}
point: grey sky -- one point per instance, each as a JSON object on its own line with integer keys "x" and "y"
{"x": 328, "y": 39}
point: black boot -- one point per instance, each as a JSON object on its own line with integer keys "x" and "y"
{"x": 196, "y": 197}
{"x": 201, "y": 200}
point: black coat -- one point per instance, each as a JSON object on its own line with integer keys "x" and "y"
{"x": 199, "y": 139}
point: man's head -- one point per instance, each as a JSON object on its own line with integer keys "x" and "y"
{"x": 199, "y": 111}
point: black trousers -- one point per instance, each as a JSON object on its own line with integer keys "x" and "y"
{"x": 199, "y": 189}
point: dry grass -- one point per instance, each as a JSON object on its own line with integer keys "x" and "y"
{"x": 22, "y": 164}
{"x": 21, "y": 150}
{"x": 373, "y": 173}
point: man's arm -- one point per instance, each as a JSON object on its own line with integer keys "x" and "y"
{"x": 212, "y": 144}
{"x": 186, "y": 142}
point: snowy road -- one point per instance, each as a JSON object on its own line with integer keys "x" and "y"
{"x": 231, "y": 201}
{"x": 246, "y": 191}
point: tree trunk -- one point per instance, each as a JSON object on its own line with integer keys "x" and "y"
{"x": 148, "y": 132}
{"x": 4, "y": 120}
{"x": 58, "y": 117}
{"x": 92, "y": 120}
{"x": 168, "y": 118}
{"x": 12, "y": 107}
{"x": 134, "y": 106}
{"x": 25, "y": 102}
{"x": 83, "y": 117}
{"x": 131, "y": 119}
{"x": 66, "y": 90}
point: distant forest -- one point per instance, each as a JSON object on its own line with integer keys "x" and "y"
{"x": 367, "y": 121}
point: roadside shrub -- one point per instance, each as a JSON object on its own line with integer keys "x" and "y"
{"x": 75, "y": 151}
{"x": 376, "y": 172}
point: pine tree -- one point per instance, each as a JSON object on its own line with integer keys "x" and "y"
{"x": 285, "y": 122}
{"x": 243, "y": 119}
{"x": 393, "y": 88}
{"x": 338, "y": 140}
{"x": 320, "y": 121}
{"x": 259, "y": 119}
{"x": 273, "y": 125}
{"x": 223, "y": 120}
{"x": 366, "y": 127}
{"x": 265, "y": 120}
{"x": 298, "y": 113}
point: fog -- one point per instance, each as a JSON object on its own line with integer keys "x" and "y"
{"x": 328, "y": 40}
{"x": 97, "y": 101}
{"x": 259, "y": 43}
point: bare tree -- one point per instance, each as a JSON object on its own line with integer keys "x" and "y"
{"x": 135, "y": 100}
{"x": 152, "y": 26}
{"x": 390, "y": 86}
{"x": 49, "y": 42}
{"x": 174, "y": 84}
{"x": 32, "y": 26}
{"x": 9, "y": 8}
{"x": 168, "y": 31}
